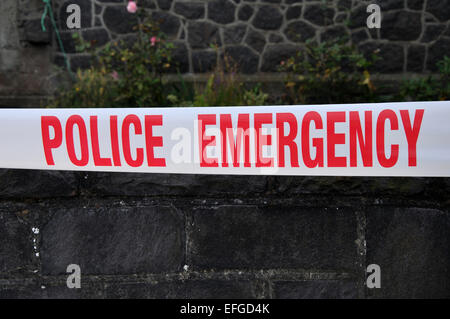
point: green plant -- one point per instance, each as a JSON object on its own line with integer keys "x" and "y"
{"x": 429, "y": 88}
{"x": 128, "y": 74}
{"x": 329, "y": 72}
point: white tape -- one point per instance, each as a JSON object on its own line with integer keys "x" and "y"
{"x": 389, "y": 139}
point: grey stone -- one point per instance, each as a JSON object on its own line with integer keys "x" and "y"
{"x": 319, "y": 14}
{"x": 401, "y": 25}
{"x": 439, "y": 8}
{"x": 293, "y": 12}
{"x": 436, "y": 52}
{"x": 335, "y": 33}
{"x": 82, "y": 62}
{"x": 201, "y": 35}
{"x": 274, "y": 54}
{"x": 204, "y": 61}
{"x": 259, "y": 237}
{"x": 221, "y": 11}
{"x": 118, "y": 20}
{"x": 316, "y": 289}
{"x": 360, "y": 36}
{"x": 299, "y": 31}
{"x": 195, "y": 10}
{"x": 169, "y": 24}
{"x": 180, "y": 58}
{"x": 416, "y": 58}
{"x": 255, "y": 40}
{"x": 29, "y": 183}
{"x": 220, "y": 289}
{"x": 164, "y": 4}
{"x": 415, "y": 4}
{"x": 98, "y": 37}
{"x": 411, "y": 247}
{"x": 268, "y": 18}
{"x": 246, "y": 60}
{"x": 275, "y": 38}
{"x": 391, "y": 56}
{"x": 131, "y": 184}
{"x": 245, "y": 12}
{"x": 33, "y": 32}
{"x": 16, "y": 250}
{"x": 234, "y": 34}
{"x": 113, "y": 240}
{"x": 432, "y": 32}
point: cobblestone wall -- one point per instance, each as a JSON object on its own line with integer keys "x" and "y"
{"x": 258, "y": 34}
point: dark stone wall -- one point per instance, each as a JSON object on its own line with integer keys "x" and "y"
{"x": 258, "y": 34}
{"x": 205, "y": 236}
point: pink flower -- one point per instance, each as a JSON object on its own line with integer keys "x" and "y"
{"x": 115, "y": 75}
{"x": 132, "y": 7}
{"x": 153, "y": 40}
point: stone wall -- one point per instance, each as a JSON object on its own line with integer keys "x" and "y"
{"x": 205, "y": 236}
{"x": 258, "y": 34}
{"x": 25, "y": 54}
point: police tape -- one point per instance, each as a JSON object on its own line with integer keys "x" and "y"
{"x": 386, "y": 139}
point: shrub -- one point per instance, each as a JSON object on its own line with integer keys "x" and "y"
{"x": 330, "y": 72}
{"x": 124, "y": 74}
{"x": 429, "y": 88}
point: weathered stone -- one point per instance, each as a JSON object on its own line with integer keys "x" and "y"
{"x": 16, "y": 250}
{"x": 98, "y": 37}
{"x": 401, "y": 25}
{"x": 262, "y": 239}
{"x": 293, "y": 12}
{"x": 33, "y": 32}
{"x": 164, "y": 4}
{"x": 201, "y": 35}
{"x": 204, "y": 61}
{"x": 274, "y": 54}
{"x": 99, "y": 240}
{"x": 180, "y": 58}
{"x": 275, "y": 38}
{"x": 392, "y": 56}
{"x": 220, "y": 289}
{"x": 344, "y": 4}
{"x": 234, "y": 34}
{"x": 81, "y": 62}
{"x": 255, "y": 40}
{"x": 439, "y": 8}
{"x": 118, "y": 20}
{"x": 336, "y": 33}
{"x": 268, "y": 18}
{"x": 358, "y": 17}
{"x": 299, "y": 31}
{"x": 341, "y": 17}
{"x": 221, "y": 11}
{"x": 411, "y": 247}
{"x": 246, "y": 60}
{"x": 316, "y": 289}
{"x": 28, "y": 183}
{"x": 432, "y": 32}
{"x": 68, "y": 42}
{"x": 158, "y": 290}
{"x": 130, "y": 184}
{"x": 360, "y": 36}
{"x": 415, "y": 4}
{"x": 436, "y": 52}
{"x": 195, "y": 10}
{"x": 245, "y": 13}
{"x": 319, "y": 14}
{"x": 416, "y": 58}
{"x": 169, "y": 24}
